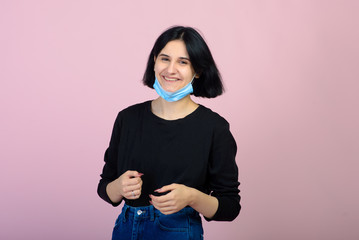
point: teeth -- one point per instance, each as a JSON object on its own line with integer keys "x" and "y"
{"x": 170, "y": 79}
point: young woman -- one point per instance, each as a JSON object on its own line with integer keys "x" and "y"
{"x": 171, "y": 159}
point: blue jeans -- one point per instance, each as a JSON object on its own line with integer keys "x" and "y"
{"x": 147, "y": 223}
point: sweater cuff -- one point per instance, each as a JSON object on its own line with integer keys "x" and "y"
{"x": 228, "y": 210}
{"x": 103, "y": 193}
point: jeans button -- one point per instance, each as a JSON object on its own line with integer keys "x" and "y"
{"x": 139, "y": 212}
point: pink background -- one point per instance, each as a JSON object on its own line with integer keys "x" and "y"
{"x": 291, "y": 73}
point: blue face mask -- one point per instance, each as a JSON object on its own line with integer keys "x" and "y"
{"x": 173, "y": 96}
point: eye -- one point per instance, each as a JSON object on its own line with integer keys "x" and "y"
{"x": 182, "y": 62}
{"x": 164, "y": 59}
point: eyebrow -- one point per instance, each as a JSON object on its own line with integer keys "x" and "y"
{"x": 184, "y": 58}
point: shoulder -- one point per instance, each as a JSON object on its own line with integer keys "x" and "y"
{"x": 213, "y": 117}
{"x": 132, "y": 113}
{"x": 221, "y": 133}
{"x": 134, "y": 109}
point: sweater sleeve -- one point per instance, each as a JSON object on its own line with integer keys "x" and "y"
{"x": 223, "y": 173}
{"x": 109, "y": 172}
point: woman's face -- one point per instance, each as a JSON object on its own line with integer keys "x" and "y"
{"x": 173, "y": 68}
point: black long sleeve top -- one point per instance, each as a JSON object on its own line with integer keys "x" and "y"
{"x": 197, "y": 151}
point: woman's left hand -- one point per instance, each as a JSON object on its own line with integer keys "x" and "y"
{"x": 179, "y": 196}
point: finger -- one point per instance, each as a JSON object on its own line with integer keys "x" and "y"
{"x": 134, "y": 194}
{"x": 168, "y": 211}
{"x": 130, "y": 195}
{"x": 163, "y": 205}
{"x": 132, "y": 188}
{"x": 132, "y": 181}
{"x": 157, "y": 205}
{"x": 160, "y": 199}
{"x": 165, "y": 210}
{"x": 167, "y": 188}
{"x": 131, "y": 173}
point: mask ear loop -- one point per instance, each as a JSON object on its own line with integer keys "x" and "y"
{"x": 193, "y": 77}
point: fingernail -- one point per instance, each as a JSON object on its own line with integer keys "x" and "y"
{"x": 157, "y": 190}
{"x": 140, "y": 174}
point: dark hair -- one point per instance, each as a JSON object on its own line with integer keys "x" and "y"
{"x": 209, "y": 83}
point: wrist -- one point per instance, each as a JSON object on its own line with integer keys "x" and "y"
{"x": 193, "y": 195}
{"x": 113, "y": 193}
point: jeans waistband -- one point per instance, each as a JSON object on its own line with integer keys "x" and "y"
{"x": 150, "y": 212}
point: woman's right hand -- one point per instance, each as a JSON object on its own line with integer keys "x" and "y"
{"x": 128, "y": 185}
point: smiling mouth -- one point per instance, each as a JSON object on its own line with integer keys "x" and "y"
{"x": 170, "y": 79}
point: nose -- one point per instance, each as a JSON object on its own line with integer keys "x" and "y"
{"x": 171, "y": 67}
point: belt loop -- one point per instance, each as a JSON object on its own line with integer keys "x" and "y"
{"x": 152, "y": 213}
{"x": 124, "y": 210}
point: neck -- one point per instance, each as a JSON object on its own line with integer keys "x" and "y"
{"x": 173, "y": 110}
